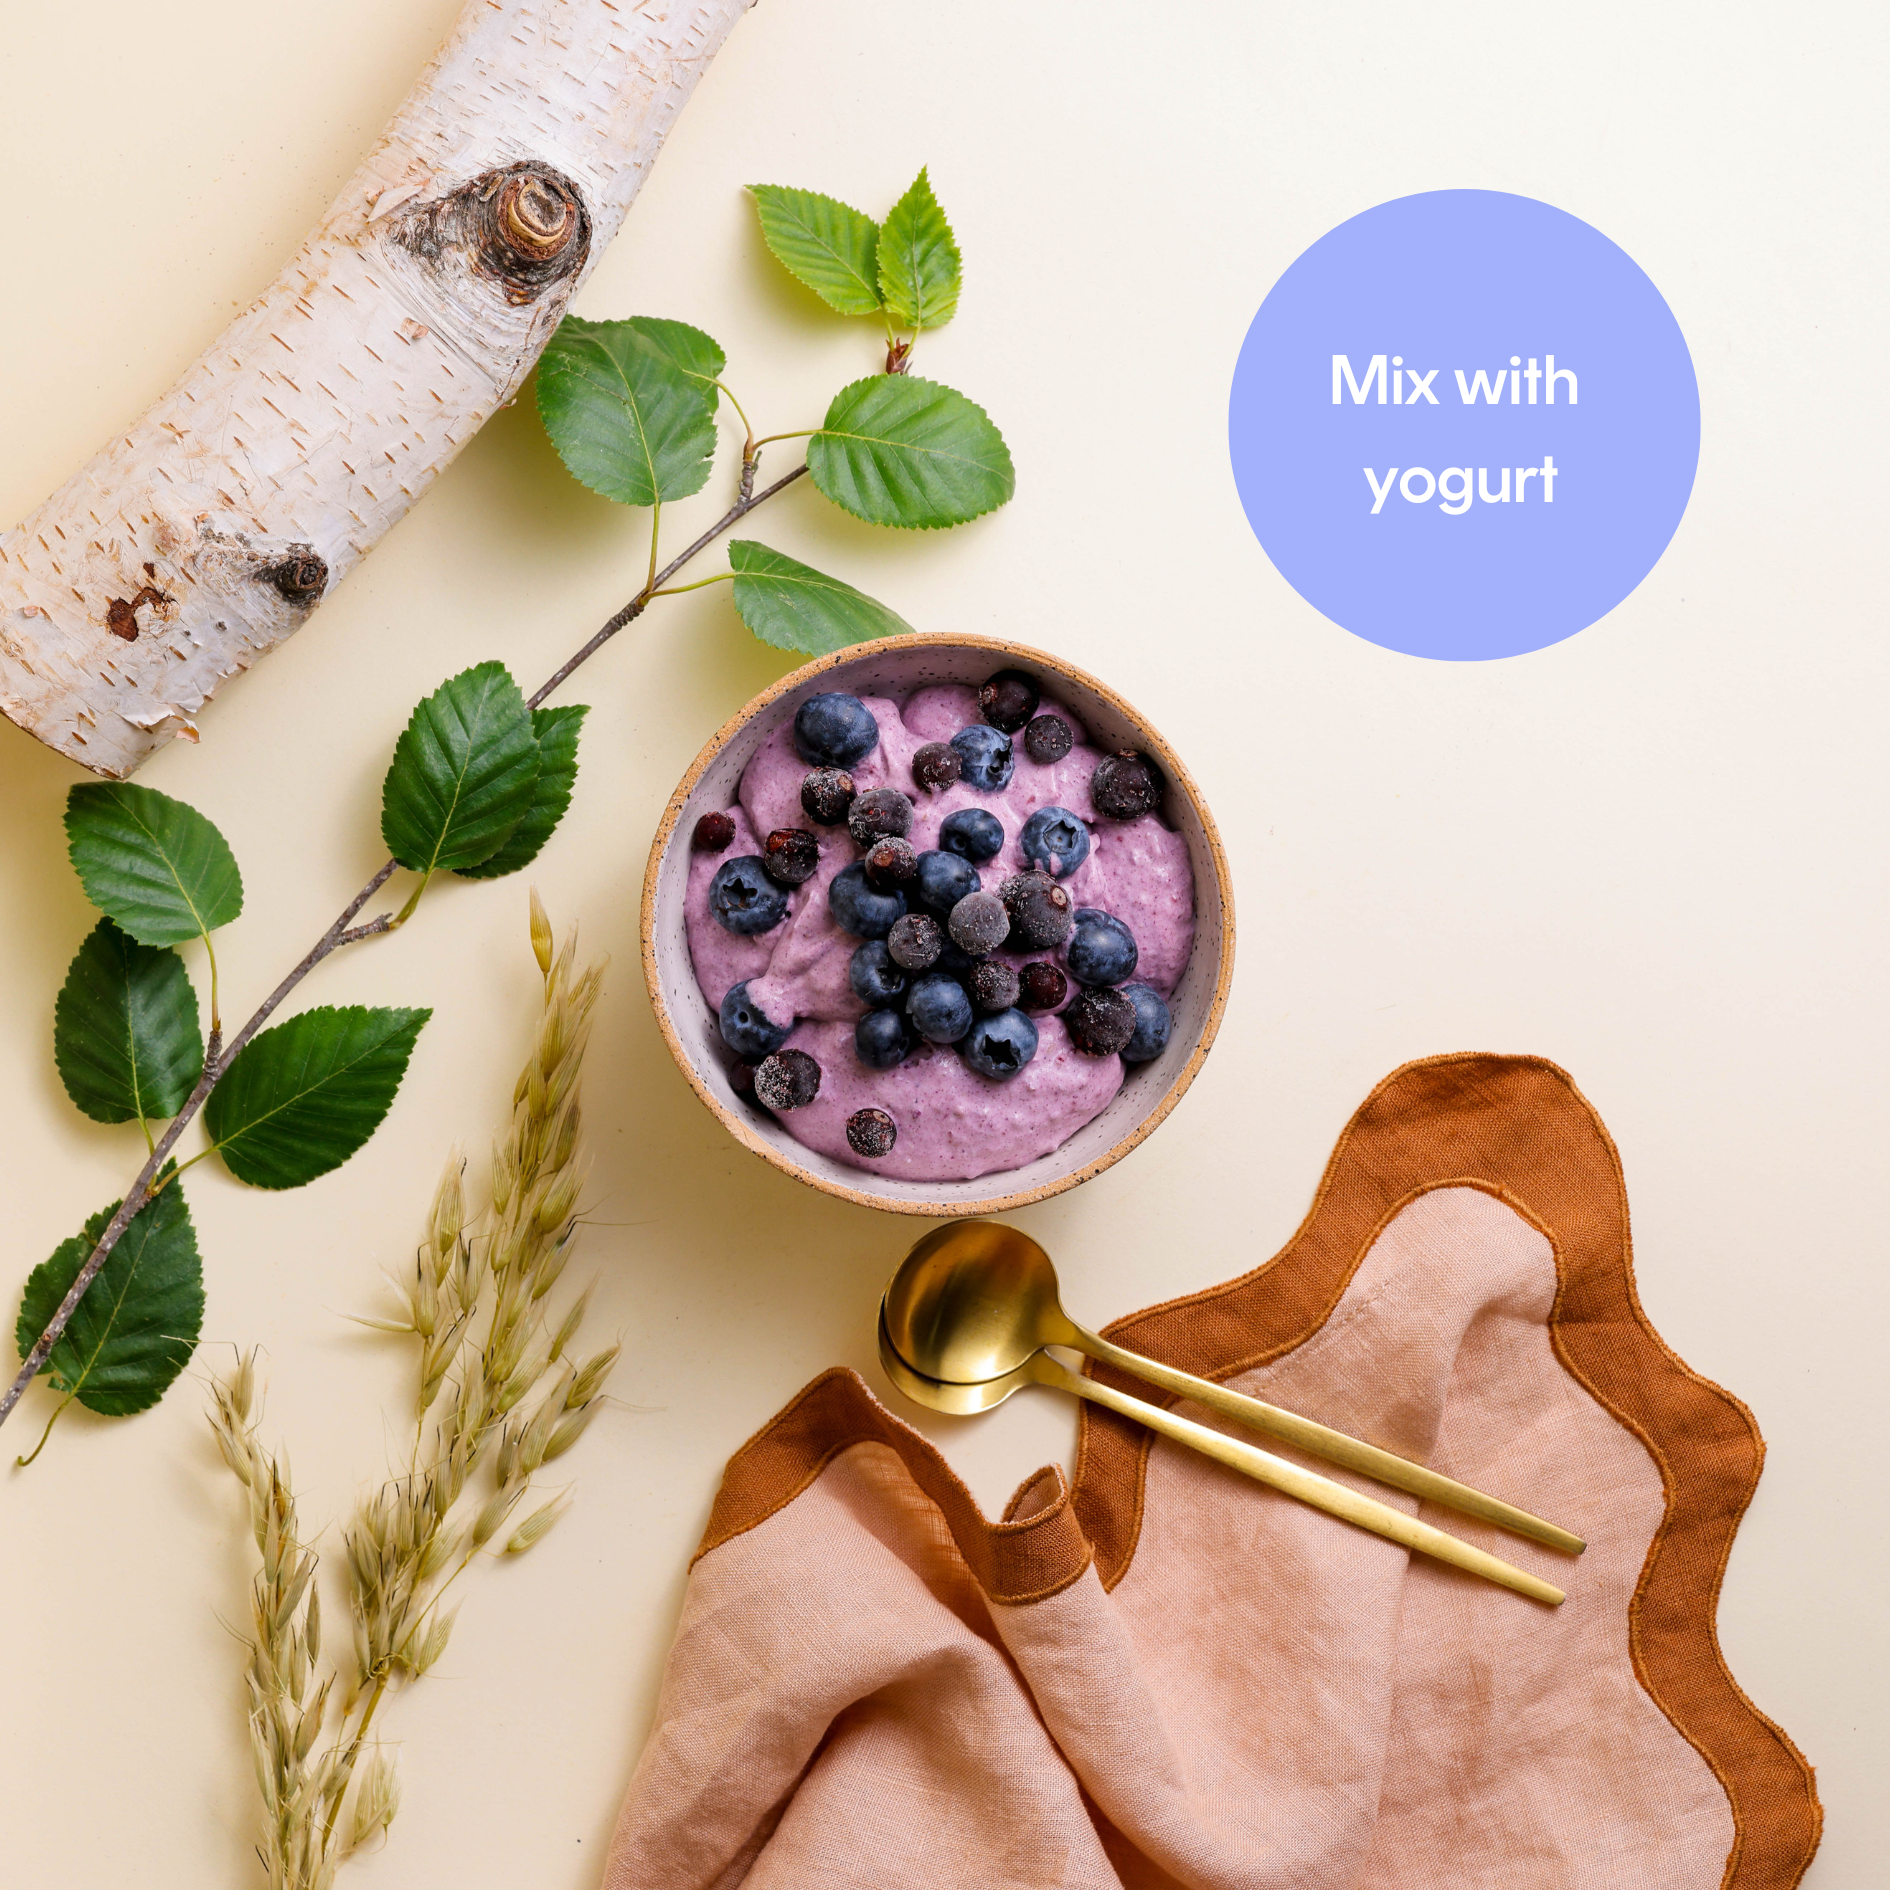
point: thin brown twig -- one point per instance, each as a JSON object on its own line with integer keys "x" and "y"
{"x": 218, "y": 1057}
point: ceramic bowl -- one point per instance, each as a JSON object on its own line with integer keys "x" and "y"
{"x": 896, "y": 666}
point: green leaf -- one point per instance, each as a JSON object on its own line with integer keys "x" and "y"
{"x": 138, "y": 1323}
{"x": 795, "y": 607}
{"x": 826, "y": 244}
{"x": 920, "y": 270}
{"x": 898, "y": 450}
{"x": 626, "y": 420}
{"x": 156, "y": 866}
{"x": 125, "y": 1032}
{"x": 557, "y": 732}
{"x": 686, "y": 349}
{"x": 463, "y": 773}
{"x": 304, "y": 1096}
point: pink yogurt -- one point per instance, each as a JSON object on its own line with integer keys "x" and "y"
{"x": 953, "y": 1124}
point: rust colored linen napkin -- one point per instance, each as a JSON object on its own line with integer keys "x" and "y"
{"x": 1167, "y": 1675}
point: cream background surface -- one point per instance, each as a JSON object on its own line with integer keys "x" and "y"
{"x": 1654, "y": 853}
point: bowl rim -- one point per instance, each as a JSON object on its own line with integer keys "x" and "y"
{"x": 756, "y": 1144}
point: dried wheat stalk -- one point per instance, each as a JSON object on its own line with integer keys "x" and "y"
{"x": 500, "y": 1392}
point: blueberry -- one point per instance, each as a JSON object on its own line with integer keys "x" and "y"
{"x": 1000, "y": 1046}
{"x": 1049, "y": 738}
{"x": 744, "y": 898}
{"x": 972, "y": 834}
{"x": 1042, "y": 986}
{"x": 936, "y": 766}
{"x": 713, "y": 832}
{"x": 979, "y": 923}
{"x": 994, "y": 985}
{"x": 871, "y": 1132}
{"x": 1055, "y": 839}
{"x": 1042, "y": 912}
{"x": 858, "y": 909}
{"x": 985, "y": 755}
{"x": 938, "y": 1007}
{"x": 882, "y": 1040}
{"x": 1101, "y": 949}
{"x": 826, "y": 794}
{"x": 916, "y": 941}
{"x": 790, "y": 854}
{"x": 1152, "y": 1024}
{"x": 1126, "y": 785}
{"x": 1009, "y": 699}
{"x": 747, "y": 1029}
{"x": 741, "y": 1079}
{"x": 875, "y": 978}
{"x": 790, "y": 1079}
{"x": 878, "y": 812}
{"x": 1100, "y": 1022}
{"x": 891, "y": 865}
{"x": 834, "y": 731}
{"x": 944, "y": 879}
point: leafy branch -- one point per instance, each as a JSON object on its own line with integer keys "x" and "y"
{"x": 478, "y": 782}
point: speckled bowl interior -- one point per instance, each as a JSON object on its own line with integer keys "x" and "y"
{"x": 896, "y": 666}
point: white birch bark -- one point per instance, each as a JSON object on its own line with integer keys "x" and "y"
{"x": 201, "y": 538}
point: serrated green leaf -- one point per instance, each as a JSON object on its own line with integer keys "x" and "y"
{"x": 139, "y": 1321}
{"x": 795, "y": 607}
{"x": 305, "y": 1095}
{"x": 557, "y": 733}
{"x": 920, "y": 270}
{"x": 819, "y": 241}
{"x": 898, "y": 450}
{"x": 625, "y": 419}
{"x": 125, "y": 1031}
{"x": 686, "y": 349}
{"x": 463, "y": 773}
{"x": 153, "y": 864}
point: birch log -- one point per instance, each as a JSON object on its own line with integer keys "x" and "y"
{"x": 204, "y": 536}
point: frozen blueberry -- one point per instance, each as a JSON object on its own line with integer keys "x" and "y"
{"x": 882, "y": 1040}
{"x": 979, "y": 923}
{"x": 1100, "y": 1022}
{"x": 834, "y": 731}
{"x": 944, "y": 879}
{"x": 1152, "y": 1024}
{"x": 1042, "y": 986}
{"x": 993, "y": 985}
{"x": 878, "y": 812}
{"x": 1101, "y": 949}
{"x": 858, "y": 909}
{"x": 1000, "y": 1046}
{"x": 1049, "y": 738}
{"x": 741, "y": 1079}
{"x": 826, "y": 794}
{"x": 1009, "y": 699}
{"x": 936, "y": 766}
{"x": 939, "y": 1008}
{"x": 747, "y": 1029}
{"x": 891, "y": 865}
{"x": 1055, "y": 839}
{"x": 790, "y": 854}
{"x": 916, "y": 941}
{"x": 1042, "y": 912}
{"x": 871, "y": 1132}
{"x": 744, "y": 898}
{"x": 1125, "y": 785}
{"x": 972, "y": 834}
{"x": 713, "y": 832}
{"x": 874, "y": 975}
{"x": 985, "y": 756}
{"x": 790, "y": 1079}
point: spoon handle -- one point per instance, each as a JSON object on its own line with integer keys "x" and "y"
{"x": 1321, "y": 1492}
{"x": 1317, "y": 1440}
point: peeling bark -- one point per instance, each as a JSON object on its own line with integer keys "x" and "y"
{"x": 200, "y": 539}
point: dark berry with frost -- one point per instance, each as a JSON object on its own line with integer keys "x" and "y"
{"x": 713, "y": 832}
{"x": 790, "y": 854}
{"x": 916, "y": 941}
{"x": 936, "y": 766}
{"x": 877, "y": 813}
{"x": 993, "y": 985}
{"x": 1049, "y": 738}
{"x": 1125, "y": 786}
{"x": 891, "y": 865}
{"x": 826, "y": 794}
{"x": 790, "y": 1079}
{"x": 1009, "y": 699}
{"x": 1041, "y": 986}
{"x": 871, "y": 1133}
{"x": 1042, "y": 912}
{"x": 1100, "y": 1022}
{"x": 979, "y": 923}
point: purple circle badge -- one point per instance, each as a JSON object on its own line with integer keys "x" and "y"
{"x": 1464, "y": 425}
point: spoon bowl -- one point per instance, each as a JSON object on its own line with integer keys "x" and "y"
{"x": 972, "y": 1302}
{"x": 954, "y": 1400}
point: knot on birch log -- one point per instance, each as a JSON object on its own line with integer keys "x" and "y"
{"x": 301, "y": 577}
{"x": 524, "y": 227}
